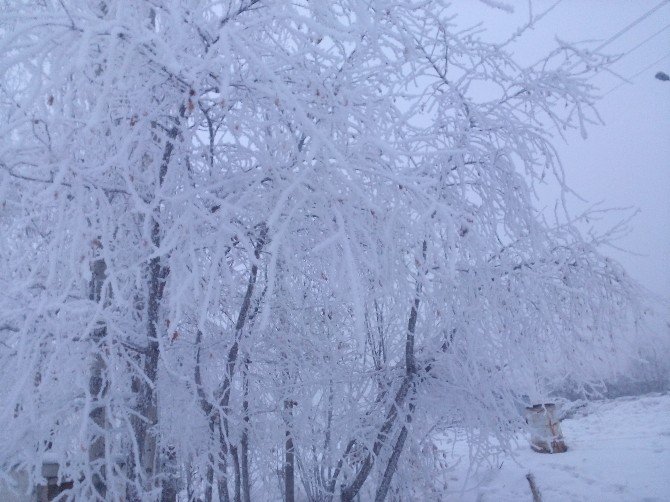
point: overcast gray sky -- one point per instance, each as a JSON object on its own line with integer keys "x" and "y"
{"x": 626, "y": 162}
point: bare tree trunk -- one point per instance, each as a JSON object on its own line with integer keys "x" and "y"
{"x": 148, "y": 405}
{"x": 325, "y": 473}
{"x": 237, "y": 485}
{"x": 233, "y": 353}
{"x": 244, "y": 442}
{"x": 215, "y": 430}
{"x": 170, "y": 473}
{"x": 222, "y": 481}
{"x": 98, "y": 388}
{"x": 289, "y": 469}
{"x": 383, "y": 488}
{"x": 383, "y": 435}
{"x": 289, "y": 457}
{"x": 209, "y": 478}
{"x": 189, "y": 481}
{"x": 351, "y": 491}
{"x": 241, "y": 486}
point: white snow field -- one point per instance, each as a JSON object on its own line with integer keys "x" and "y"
{"x": 619, "y": 450}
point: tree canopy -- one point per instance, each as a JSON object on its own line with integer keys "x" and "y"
{"x": 258, "y": 250}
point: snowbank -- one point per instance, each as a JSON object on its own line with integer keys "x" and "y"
{"x": 619, "y": 450}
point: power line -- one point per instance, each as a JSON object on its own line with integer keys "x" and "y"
{"x": 625, "y": 54}
{"x": 622, "y": 31}
{"x": 625, "y": 29}
{"x": 644, "y": 41}
{"x": 631, "y": 25}
{"x": 638, "y": 73}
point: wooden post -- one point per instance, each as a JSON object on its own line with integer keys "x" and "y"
{"x": 537, "y": 497}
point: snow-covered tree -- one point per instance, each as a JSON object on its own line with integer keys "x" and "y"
{"x": 264, "y": 250}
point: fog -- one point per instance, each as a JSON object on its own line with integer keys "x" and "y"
{"x": 624, "y": 163}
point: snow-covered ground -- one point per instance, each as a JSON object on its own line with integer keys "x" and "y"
{"x": 619, "y": 450}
